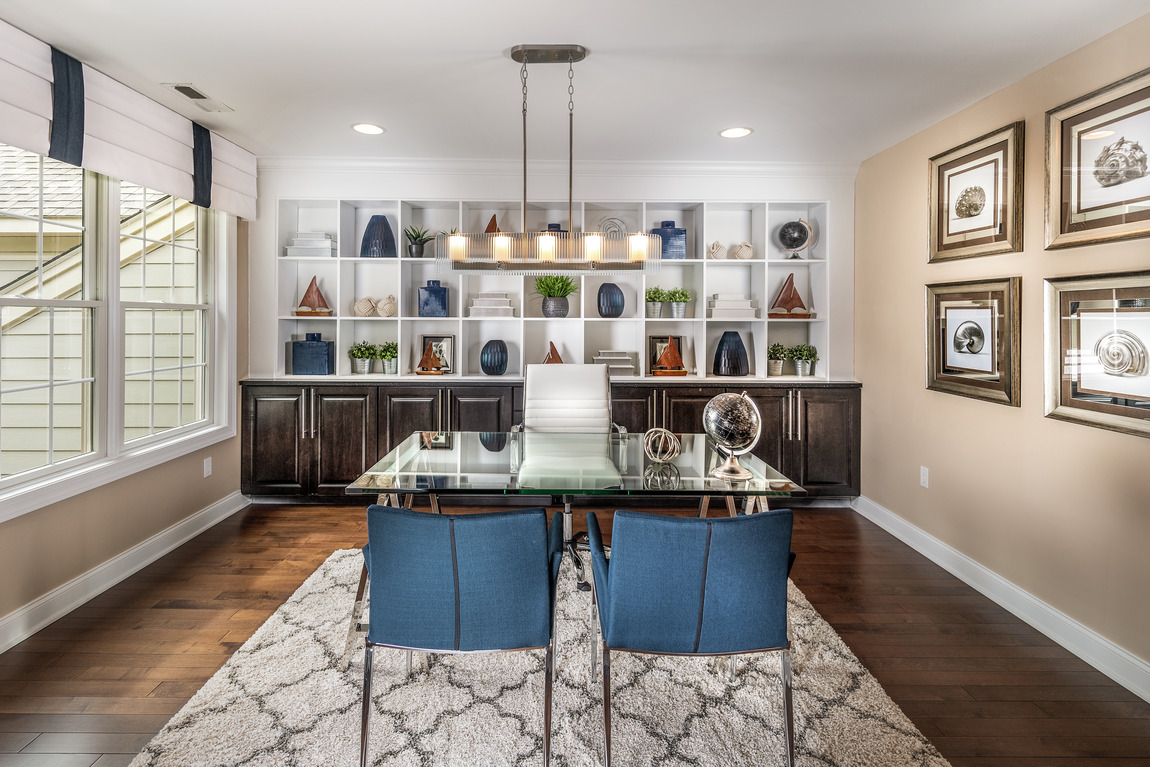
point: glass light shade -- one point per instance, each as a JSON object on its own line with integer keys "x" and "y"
{"x": 535, "y": 252}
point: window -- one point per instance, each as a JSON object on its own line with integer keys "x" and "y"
{"x": 110, "y": 360}
{"x": 46, "y": 315}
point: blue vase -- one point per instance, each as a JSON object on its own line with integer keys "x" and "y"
{"x": 731, "y": 356}
{"x": 378, "y": 239}
{"x": 493, "y": 441}
{"x": 610, "y": 300}
{"x": 312, "y": 356}
{"x": 674, "y": 240}
{"x": 493, "y": 358}
{"x": 433, "y": 300}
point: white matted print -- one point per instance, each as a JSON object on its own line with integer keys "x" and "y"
{"x": 1114, "y": 349}
{"x": 1111, "y": 151}
{"x": 970, "y": 339}
{"x": 973, "y": 195}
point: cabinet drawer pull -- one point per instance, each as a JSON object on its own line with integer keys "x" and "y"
{"x": 302, "y": 417}
{"x": 313, "y": 413}
{"x": 799, "y": 419}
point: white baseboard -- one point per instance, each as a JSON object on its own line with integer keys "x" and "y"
{"x": 1123, "y": 667}
{"x": 22, "y": 623}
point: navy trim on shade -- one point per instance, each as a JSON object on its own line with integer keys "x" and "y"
{"x": 66, "y": 138}
{"x": 201, "y": 166}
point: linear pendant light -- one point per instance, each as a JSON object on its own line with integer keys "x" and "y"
{"x": 535, "y": 252}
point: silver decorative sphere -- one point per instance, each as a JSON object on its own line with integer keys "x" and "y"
{"x": 733, "y": 422}
{"x": 660, "y": 445}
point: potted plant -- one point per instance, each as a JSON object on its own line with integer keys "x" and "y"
{"x": 388, "y": 351}
{"x": 555, "y": 288}
{"x": 361, "y": 355}
{"x": 416, "y": 239}
{"x": 655, "y": 297}
{"x": 679, "y": 298}
{"x": 776, "y": 355}
{"x": 805, "y": 356}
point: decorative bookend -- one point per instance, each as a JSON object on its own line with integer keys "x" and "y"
{"x": 387, "y": 307}
{"x": 731, "y": 356}
{"x": 670, "y": 362}
{"x": 430, "y": 364}
{"x": 716, "y": 250}
{"x": 365, "y": 307}
{"x": 492, "y": 227}
{"x": 313, "y": 304}
{"x": 552, "y": 357}
{"x": 378, "y": 239}
{"x": 788, "y": 303}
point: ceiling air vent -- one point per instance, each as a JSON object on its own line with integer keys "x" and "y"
{"x": 198, "y": 97}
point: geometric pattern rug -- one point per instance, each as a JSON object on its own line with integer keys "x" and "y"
{"x": 282, "y": 700}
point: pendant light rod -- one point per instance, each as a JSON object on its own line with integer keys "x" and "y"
{"x": 548, "y": 54}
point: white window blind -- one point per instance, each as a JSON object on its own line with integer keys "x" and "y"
{"x": 126, "y": 134}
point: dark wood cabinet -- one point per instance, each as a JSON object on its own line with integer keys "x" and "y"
{"x": 316, "y": 440}
{"x": 812, "y": 435}
{"x": 306, "y": 440}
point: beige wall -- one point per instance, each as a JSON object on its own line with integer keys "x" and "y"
{"x": 1061, "y": 510}
{"x": 47, "y": 548}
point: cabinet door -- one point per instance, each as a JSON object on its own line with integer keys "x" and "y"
{"x": 344, "y": 441}
{"x": 276, "y": 443}
{"x": 480, "y": 408}
{"x": 403, "y": 410}
{"x": 633, "y": 407}
{"x": 827, "y": 440}
{"x": 682, "y": 407}
{"x": 774, "y": 442}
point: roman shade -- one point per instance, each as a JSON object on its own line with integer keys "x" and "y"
{"x": 127, "y": 135}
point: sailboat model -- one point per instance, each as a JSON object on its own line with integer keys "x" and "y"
{"x": 552, "y": 357}
{"x": 670, "y": 362}
{"x": 788, "y": 303}
{"x": 312, "y": 304}
{"x": 492, "y": 227}
{"x": 429, "y": 363}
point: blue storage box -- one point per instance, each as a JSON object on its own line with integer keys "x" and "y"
{"x": 311, "y": 357}
{"x": 674, "y": 240}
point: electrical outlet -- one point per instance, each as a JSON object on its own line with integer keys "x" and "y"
{"x": 207, "y": 467}
{"x": 924, "y": 476}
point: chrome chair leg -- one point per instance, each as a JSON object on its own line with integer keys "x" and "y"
{"x": 788, "y": 709}
{"x": 606, "y": 705}
{"x": 593, "y": 622}
{"x": 366, "y": 705}
{"x": 409, "y": 664}
{"x": 354, "y": 630}
{"x": 549, "y": 670}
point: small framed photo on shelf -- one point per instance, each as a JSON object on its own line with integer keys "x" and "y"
{"x": 973, "y": 333}
{"x": 435, "y": 440}
{"x": 1097, "y": 185}
{"x": 443, "y": 347}
{"x": 976, "y": 197}
{"x": 1098, "y": 351}
{"x": 656, "y": 345}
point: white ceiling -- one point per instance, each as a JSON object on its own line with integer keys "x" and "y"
{"x": 819, "y": 80}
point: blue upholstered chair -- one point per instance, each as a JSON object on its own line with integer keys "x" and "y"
{"x": 678, "y": 586}
{"x": 445, "y": 583}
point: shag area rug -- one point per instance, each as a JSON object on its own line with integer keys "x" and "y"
{"x": 282, "y": 700}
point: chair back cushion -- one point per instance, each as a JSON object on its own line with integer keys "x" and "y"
{"x": 567, "y": 398}
{"x": 458, "y": 582}
{"x": 680, "y": 585}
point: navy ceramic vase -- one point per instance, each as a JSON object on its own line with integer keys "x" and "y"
{"x": 433, "y": 300}
{"x": 493, "y": 441}
{"x": 610, "y": 300}
{"x": 378, "y": 239}
{"x": 493, "y": 358}
{"x": 731, "y": 356}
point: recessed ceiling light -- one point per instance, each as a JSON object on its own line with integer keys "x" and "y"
{"x": 735, "y": 132}
{"x": 368, "y": 128}
{"x": 1097, "y": 134}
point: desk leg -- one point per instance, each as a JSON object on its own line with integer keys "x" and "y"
{"x": 704, "y": 504}
{"x": 731, "y": 511}
{"x": 434, "y": 500}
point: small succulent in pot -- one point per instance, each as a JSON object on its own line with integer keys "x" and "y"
{"x": 804, "y": 353}
{"x": 777, "y": 351}
{"x": 655, "y": 295}
{"x": 678, "y": 295}
{"x": 363, "y": 350}
{"x": 555, "y": 288}
{"x": 417, "y": 235}
{"x": 388, "y": 350}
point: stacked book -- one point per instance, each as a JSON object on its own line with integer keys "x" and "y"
{"x": 731, "y": 306}
{"x": 310, "y": 244}
{"x": 618, "y": 363}
{"x": 492, "y": 304}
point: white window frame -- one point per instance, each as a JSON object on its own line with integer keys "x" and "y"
{"x": 111, "y": 458}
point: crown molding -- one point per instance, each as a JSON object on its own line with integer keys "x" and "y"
{"x": 598, "y": 168}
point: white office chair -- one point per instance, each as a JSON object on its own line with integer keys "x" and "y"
{"x": 574, "y": 400}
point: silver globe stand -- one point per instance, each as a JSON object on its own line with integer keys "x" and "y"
{"x": 730, "y": 469}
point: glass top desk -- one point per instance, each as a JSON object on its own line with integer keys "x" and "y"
{"x": 438, "y": 463}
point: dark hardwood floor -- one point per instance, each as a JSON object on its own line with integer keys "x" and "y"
{"x": 989, "y": 691}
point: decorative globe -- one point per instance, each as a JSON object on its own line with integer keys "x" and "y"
{"x": 793, "y": 235}
{"x": 733, "y": 422}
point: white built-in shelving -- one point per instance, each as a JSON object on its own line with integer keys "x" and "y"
{"x": 345, "y": 278}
